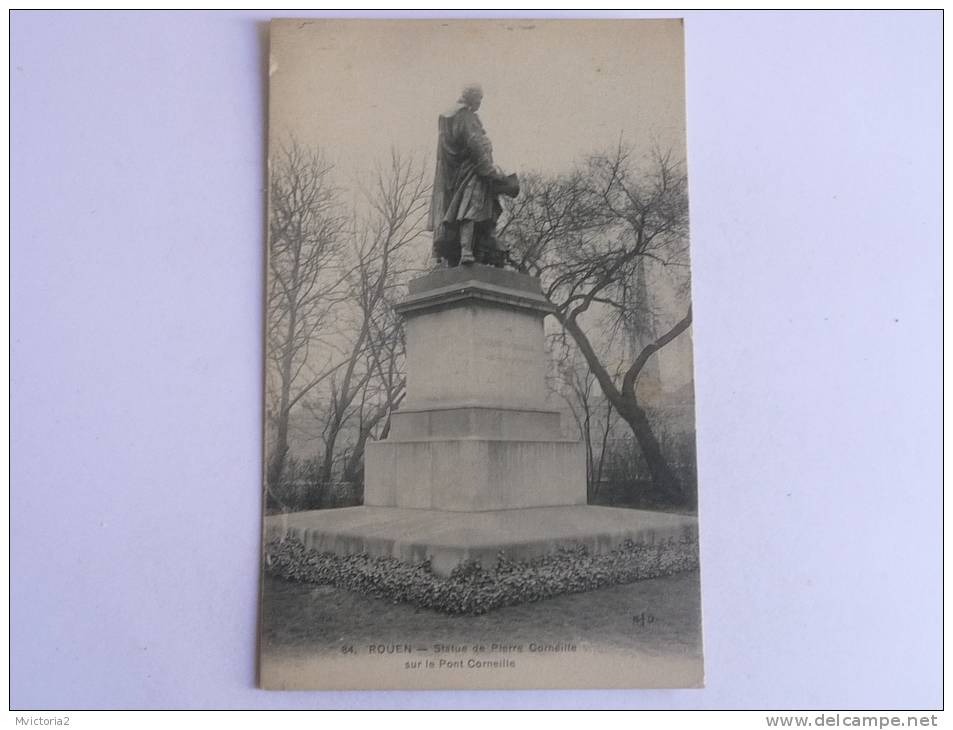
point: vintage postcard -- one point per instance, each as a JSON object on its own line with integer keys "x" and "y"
{"x": 479, "y": 393}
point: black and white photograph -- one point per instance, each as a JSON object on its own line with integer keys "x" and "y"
{"x": 479, "y": 392}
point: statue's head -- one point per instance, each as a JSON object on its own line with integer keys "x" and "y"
{"x": 472, "y": 96}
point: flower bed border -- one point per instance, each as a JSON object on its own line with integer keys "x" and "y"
{"x": 472, "y": 589}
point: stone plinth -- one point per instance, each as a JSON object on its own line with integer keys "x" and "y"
{"x": 472, "y": 474}
{"x": 475, "y": 336}
{"x": 475, "y": 463}
{"x": 449, "y": 538}
{"x": 475, "y": 432}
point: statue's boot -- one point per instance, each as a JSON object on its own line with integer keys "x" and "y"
{"x": 466, "y": 243}
{"x": 436, "y": 255}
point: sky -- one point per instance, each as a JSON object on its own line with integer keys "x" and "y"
{"x": 554, "y": 90}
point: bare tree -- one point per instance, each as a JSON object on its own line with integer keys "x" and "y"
{"x": 585, "y": 235}
{"x": 369, "y": 382}
{"x": 305, "y": 237}
{"x": 384, "y": 388}
{"x": 592, "y": 413}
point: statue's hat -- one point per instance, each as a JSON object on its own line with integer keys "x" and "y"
{"x": 508, "y": 186}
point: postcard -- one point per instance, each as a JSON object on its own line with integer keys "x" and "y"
{"x": 479, "y": 393}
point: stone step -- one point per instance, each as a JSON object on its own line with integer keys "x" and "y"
{"x": 449, "y": 538}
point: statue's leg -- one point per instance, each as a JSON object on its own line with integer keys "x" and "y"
{"x": 466, "y": 242}
{"x": 436, "y": 255}
{"x": 486, "y": 247}
{"x": 438, "y": 252}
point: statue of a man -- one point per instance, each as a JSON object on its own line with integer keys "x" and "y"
{"x": 465, "y": 204}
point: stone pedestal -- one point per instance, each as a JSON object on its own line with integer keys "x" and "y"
{"x": 475, "y": 463}
{"x": 474, "y": 432}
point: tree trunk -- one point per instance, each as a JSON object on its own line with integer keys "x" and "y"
{"x": 279, "y": 455}
{"x": 277, "y": 466}
{"x": 327, "y": 466}
{"x": 664, "y": 480}
{"x": 590, "y": 462}
{"x": 602, "y": 451}
{"x": 354, "y": 468}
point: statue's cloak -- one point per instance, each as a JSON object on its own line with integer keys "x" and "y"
{"x": 463, "y": 186}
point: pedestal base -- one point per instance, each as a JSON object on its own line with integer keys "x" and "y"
{"x": 474, "y": 474}
{"x": 449, "y": 538}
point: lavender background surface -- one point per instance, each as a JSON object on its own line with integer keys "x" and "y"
{"x": 137, "y": 245}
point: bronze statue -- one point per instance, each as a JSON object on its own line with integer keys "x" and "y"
{"x": 465, "y": 205}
